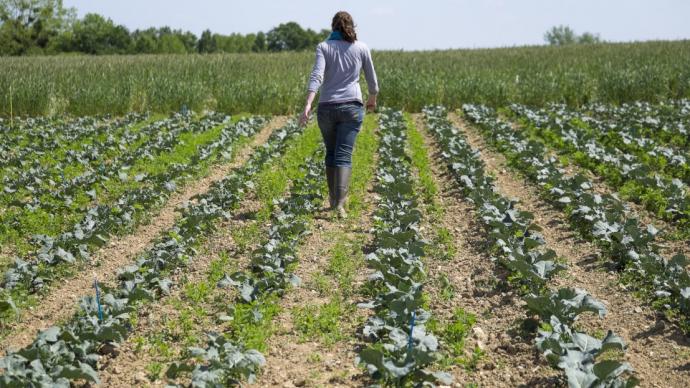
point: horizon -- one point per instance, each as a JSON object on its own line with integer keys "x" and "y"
{"x": 500, "y": 23}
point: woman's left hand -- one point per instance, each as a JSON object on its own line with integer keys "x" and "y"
{"x": 305, "y": 116}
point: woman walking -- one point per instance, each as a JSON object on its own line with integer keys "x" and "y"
{"x": 339, "y": 62}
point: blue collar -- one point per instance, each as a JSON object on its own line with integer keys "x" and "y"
{"x": 336, "y": 35}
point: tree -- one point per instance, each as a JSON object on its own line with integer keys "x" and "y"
{"x": 560, "y": 36}
{"x": 46, "y": 27}
{"x": 145, "y": 42}
{"x": 207, "y": 43}
{"x": 170, "y": 44}
{"x": 288, "y": 36}
{"x": 259, "y": 43}
{"x": 29, "y": 26}
{"x": 588, "y": 38}
{"x": 97, "y": 35}
{"x": 188, "y": 39}
{"x": 564, "y": 35}
{"x": 163, "y": 40}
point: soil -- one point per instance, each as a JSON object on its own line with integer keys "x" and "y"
{"x": 657, "y": 350}
{"x": 128, "y": 367}
{"x": 61, "y": 302}
{"x": 510, "y": 358}
{"x": 296, "y": 361}
{"x": 668, "y": 247}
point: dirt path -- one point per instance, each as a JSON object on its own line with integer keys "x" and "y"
{"x": 293, "y": 360}
{"x": 62, "y": 301}
{"x": 509, "y": 360}
{"x": 129, "y": 367}
{"x": 659, "y": 352}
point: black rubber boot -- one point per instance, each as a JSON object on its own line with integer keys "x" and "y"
{"x": 342, "y": 185}
{"x": 330, "y": 177}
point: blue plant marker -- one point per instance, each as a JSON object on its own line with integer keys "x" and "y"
{"x": 98, "y": 300}
{"x": 410, "y": 343}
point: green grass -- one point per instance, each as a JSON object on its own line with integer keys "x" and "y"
{"x": 452, "y": 334}
{"x": 323, "y": 322}
{"x": 246, "y": 329}
{"x": 274, "y": 83}
{"x": 202, "y": 304}
{"x": 443, "y": 246}
{"x": 271, "y": 183}
{"x": 245, "y": 236}
{"x": 363, "y": 165}
{"x": 419, "y": 155}
{"x": 345, "y": 258}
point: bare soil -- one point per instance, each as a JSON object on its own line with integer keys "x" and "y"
{"x": 128, "y": 367}
{"x": 510, "y": 358}
{"x": 657, "y": 350}
{"x": 669, "y": 247}
{"x": 293, "y": 360}
{"x": 61, "y": 302}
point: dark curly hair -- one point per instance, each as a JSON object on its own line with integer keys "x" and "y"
{"x": 342, "y": 22}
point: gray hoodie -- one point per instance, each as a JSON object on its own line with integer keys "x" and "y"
{"x": 337, "y": 68}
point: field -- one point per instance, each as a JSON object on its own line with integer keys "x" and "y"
{"x": 507, "y": 226}
{"x": 276, "y": 83}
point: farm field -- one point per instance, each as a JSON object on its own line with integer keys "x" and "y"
{"x": 505, "y": 242}
{"x": 273, "y": 83}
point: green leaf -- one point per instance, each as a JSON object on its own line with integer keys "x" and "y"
{"x": 609, "y": 369}
{"x": 83, "y": 372}
{"x": 50, "y": 334}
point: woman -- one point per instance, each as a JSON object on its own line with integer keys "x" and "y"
{"x": 339, "y": 61}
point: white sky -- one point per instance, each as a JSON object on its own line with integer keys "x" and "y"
{"x": 413, "y": 25}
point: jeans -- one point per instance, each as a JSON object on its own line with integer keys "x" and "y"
{"x": 340, "y": 124}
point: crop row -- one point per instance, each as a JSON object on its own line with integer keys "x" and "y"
{"x": 35, "y": 136}
{"x": 26, "y": 183}
{"x": 62, "y": 193}
{"x": 627, "y": 139}
{"x": 402, "y": 348}
{"x": 517, "y": 244}
{"x": 101, "y": 135}
{"x": 602, "y": 219}
{"x": 225, "y": 359}
{"x": 667, "y": 123}
{"x": 103, "y": 220}
{"x": 50, "y": 190}
{"x": 71, "y": 352}
{"x": 640, "y": 181}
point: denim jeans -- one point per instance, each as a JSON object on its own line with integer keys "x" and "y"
{"x": 340, "y": 124}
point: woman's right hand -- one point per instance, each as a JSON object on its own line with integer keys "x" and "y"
{"x": 371, "y": 103}
{"x": 304, "y": 118}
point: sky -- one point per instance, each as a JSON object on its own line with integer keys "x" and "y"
{"x": 413, "y": 25}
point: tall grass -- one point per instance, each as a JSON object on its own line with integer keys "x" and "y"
{"x": 275, "y": 83}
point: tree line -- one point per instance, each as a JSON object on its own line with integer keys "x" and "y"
{"x": 564, "y": 35}
{"x": 46, "y": 27}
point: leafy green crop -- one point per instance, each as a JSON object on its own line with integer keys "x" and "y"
{"x": 603, "y": 219}
{"x": 269, "y": 276}
{"x": 403, "y": 347}
{"x": 70, "y": 352}
{"x": 620, "y": 156}
{"x": 517, "y": 245}
{"x": 103, "y": 220}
